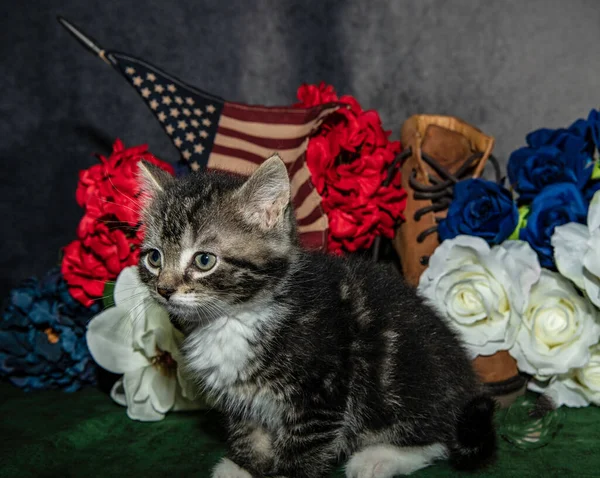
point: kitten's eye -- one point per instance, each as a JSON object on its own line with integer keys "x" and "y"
{"x": 154, "y": 258}
{"x": 205, "y": 261}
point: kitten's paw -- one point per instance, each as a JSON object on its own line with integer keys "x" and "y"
{"x": 387, "y": 461}
{"x": 228, "y": 469}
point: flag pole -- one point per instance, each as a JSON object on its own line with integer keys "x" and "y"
{"x": 88, "y": 42}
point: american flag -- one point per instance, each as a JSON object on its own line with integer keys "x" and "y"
{"x": 212, "y": 133}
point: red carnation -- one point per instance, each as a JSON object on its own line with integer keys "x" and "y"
{"x": 349, "y": 157}
{"x": 313, "y": 95}
{"x": 109, "y": 233}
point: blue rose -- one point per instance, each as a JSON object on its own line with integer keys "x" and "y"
{"x": 480, "y": 208}
{"x": 582, "y": 134}
{"x": 555, "y": 156}
{"x": 556, "y": 205}
{"x": 530, "y": 170}
{"x": 42, "y": 337}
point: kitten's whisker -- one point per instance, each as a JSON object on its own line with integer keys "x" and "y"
{"x": 121, "y": 205}
{"x": 122, "y": 193}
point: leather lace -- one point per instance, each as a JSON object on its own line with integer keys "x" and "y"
{"x": 441, "y": 188}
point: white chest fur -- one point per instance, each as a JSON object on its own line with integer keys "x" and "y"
{"x": 222, "y": 354}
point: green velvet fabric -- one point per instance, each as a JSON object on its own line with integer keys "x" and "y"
{"x": 84, "y": 434}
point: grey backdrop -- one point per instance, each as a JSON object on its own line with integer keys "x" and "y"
{"x": 507, "y": 66}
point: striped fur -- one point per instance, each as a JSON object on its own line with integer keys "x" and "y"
{"x": 313, "y": 358}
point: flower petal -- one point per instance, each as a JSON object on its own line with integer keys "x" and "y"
{"x": 141, "y": 411}
{"x": 117, "y": 393}
{"x": 144, "y": 412}
{"x": 148, "y": 343}
{"x": 109, "y": 341}
{"x": 593, "y": 219}
{"x": 570, "y": 243}
{"x": 129, "y": 290}
{"x": 162, "y": 392}
{"x": 143, "y": 390}
{"x": 148, "y": 318}
{"x": 522, "y": 268}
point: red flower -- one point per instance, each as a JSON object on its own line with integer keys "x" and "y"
{"x": 354, "y": 229}
{"x": 319, "y": 160}
{"x": 349, "y": 158}
{"x": 109, "y": 232}
{"x": 84, "y": 273}
{"x": 313, "y": 95}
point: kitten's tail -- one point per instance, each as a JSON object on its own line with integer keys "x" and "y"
{"x": 475, "y": 444}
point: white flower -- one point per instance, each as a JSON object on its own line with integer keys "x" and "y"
{"x": 557, "y": 329}
{"x": 577, "y": 251}
{"x": 136, "y": 338}
{"x": 481, "y": 291}
{"x": 578, "y": 388}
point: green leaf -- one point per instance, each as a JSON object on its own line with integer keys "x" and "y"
{"x": 108, "y": 299}
{"x": 528, "y": 432}
{"x": 596, "y": 170}
{"x": 523, "y": 213}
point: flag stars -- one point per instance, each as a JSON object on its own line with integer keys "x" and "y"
{"x": 186, "y": 111}
{"x": 166, "y": 100}
{"x": 195, "y": 166}
{"x": 162, "y": 116}
{"x": 186, "y": 154}
{"x": 171, "y": 88}
{"x": 206, "y": 122}
{"x": 159, "y": 88}
{"x": 197, "y": 111}
{"x": 198, "y": 148}
{"x": 210, "y": 108}
{"x": 170, "y": 129}
{"x": 178, "y": 142}
{"x": 203, "y": 134}
{"x": 178, "y": 100}
{"x": 154, "y": 104}
{"x": 190, "y": 137}
{"x": 195, "y": 123}
{"x": 189, "y": 101}
{"x": 145, "y": 92}
{"x": 129, "y": 70}
{"x": 182, "y": 125}
{"x": 174, "y": 112}
{"x": 151, "y": 77}
{"x": 137, "y": 81}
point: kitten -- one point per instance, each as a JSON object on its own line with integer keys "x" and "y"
{"x": 313, "y": 358}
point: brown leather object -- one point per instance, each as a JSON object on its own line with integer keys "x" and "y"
{"x": 450, "y": 141}
{"x": 443, "y": 150}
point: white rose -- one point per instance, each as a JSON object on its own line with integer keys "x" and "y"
{"x": 577, "y": 251}
{"x": 578, "y": 388}
{"x": 481, "y": 291}
{"x": 557, "y": 328}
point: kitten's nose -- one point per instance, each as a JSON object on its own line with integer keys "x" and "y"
{"x": 166, "y": 292}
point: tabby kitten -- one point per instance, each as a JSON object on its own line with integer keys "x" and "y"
{"x": 313, "y": 359}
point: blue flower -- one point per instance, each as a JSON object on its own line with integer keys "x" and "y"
{"x": 582, "y": 134}
{"x": 556, "y": 205}
{"x": 555, "y": 156}
{"x": 480, "y": 208}
{"x": 42, "y": 337}
{"x": 530, "y": 170}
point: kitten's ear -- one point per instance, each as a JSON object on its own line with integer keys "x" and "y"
{"x": 266, "y": 194}
{"x": 152, "y": 178}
